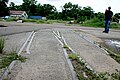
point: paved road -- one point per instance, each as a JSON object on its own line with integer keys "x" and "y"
{"x": 46, "y": 61}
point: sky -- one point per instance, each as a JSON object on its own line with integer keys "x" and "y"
{"x": 97, "y": 5}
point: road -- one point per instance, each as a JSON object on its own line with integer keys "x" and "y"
{"x": 46, "y": 60}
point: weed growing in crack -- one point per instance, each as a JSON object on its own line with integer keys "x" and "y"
{"x": 2, "y": 43}
{"x": 7, "y": 59}
{"x": 66, "y": 47}
{"x": 84, "y": 73}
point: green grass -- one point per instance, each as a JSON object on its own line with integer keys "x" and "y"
{"x": 95, "y": 22}
{"x": 73, "y": 56}
{"x": 7, "y": 59}
{"x": 115, "y": 25}
{"x": 66, "y": 47}
{"x": 29, "y": 20}
{"x": 38, "y": 21}
{"x": 116, "y": 57}
{"x": 2, "y": 43}
{"x": 80, "y": 68}
{"x": 11, "y": 19}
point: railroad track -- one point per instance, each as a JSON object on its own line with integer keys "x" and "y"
{"x": 26, "y": 45}
{"x": 62, "y": 41}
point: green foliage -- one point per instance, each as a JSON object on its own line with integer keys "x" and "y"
{"x": 7, "y": 59}
{"x": 56, "y": 21}
{"x": 11, "y": 19}
{"x": 95, "y": 22}
{"x": 84, "y": 73}
{"x": 69, "y": 11}
{"x": 117, "y": 15}
{"x": 29, "y": 20}
{"x": 116, "y": 57}
{"x": 115, "y": 25}
{"x": 2, "y": 43}
{"x": 66, "y": 46}
{"x": 22, "y": 58}
{"x": 3, "y": 8}
{"x": 73, "y": 56}
{"x": 42, "y": 21}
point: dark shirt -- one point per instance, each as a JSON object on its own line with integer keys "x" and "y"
{"x": 108, "y": 15}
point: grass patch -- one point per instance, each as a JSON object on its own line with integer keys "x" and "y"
{"x": 116, "y": 57}
{"x": 29, "y": 20}
{"x": 7, "y": 59}
{"x": 11, "y": 19}
{"x": 38, "y": 21}
{"x": 84, "y": 73}
{"x": 112, "y": 53}
{"x": 115, "y": 25}
{"x": 57, "y": 21}
{"x": 73, "y": 56}
{"x": 2, "y": 43}
{"x": 80, "y": 68}
{"x": 95, "y": 22}
{"x": 66, "y": 47}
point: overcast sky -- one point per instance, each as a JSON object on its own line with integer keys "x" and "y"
{"x": 97, "y": 5}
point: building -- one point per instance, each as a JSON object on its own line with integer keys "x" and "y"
{"x": 35, "y": 17}
{"x": 18, "y": 14}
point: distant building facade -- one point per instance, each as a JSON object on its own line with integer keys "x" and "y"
{"x": 35, "y": 17}
{"x": 18, "y": 14}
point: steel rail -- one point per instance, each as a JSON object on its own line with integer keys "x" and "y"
{"x": 73, "y": 74}
{"x": 28, "y": 41}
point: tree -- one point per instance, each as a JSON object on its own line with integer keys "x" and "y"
{"x": 70, "y": 11}
{"x": 27, "y": 6}
{"x": 88, "y": 11}
{"x": 12, "y": 6}
{"x": 48, "y": 9}
{"x": 3, "y": 8}
{"x": 117, "y": 15}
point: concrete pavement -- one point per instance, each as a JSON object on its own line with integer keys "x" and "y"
{"x": 46, "y": 61}
{"x": 93, "y": 55}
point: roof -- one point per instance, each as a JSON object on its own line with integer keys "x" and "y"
{"x": 13, "y": 12}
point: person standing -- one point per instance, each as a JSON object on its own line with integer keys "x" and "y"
{"x": 107, "y": 19}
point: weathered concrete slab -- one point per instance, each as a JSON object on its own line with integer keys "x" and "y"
{"x": 93, "y": 55}
{"x": 46, "y": 61}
